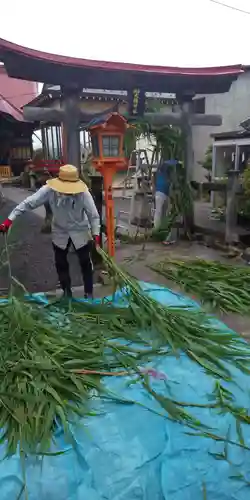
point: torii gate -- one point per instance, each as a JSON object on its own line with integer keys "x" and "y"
{"x": 73, "y": 74}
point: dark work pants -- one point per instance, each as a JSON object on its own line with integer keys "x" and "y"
{"x": 62, "y": 267}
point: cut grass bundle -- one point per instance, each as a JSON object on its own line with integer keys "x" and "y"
{"x": 50, "y": 364}
{"x": 38, "y": 386}
{"x": 219, "y": 286}
{"x": 52, "y": 359}
{"x": 182, "y": 329}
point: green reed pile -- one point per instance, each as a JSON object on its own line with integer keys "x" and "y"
{"x": 220, "y": 286}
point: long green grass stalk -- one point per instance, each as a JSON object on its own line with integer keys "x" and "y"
{"x": 48, "y": 356}
{"x": 182, "y": 329}
{"x": 51, "y": 361}
{"x": 42, "y": 358}
{"x": 219, "y": 286}
{"x": 192, "y": 332}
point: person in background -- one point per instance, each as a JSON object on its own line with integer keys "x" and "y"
{"x": 74, "y": 211}
{"x": 162, "y": 190}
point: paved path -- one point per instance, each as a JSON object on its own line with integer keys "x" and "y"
{"x": 16, "y": 195}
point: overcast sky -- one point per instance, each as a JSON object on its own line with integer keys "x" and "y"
{"x": 159, "y": 32}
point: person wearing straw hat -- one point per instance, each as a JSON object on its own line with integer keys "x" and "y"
{"x": 74, "y": 216}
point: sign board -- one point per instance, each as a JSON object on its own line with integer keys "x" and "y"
{"x": 136, "y": 100}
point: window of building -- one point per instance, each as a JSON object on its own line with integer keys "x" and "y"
{"x": 52, "y": 142}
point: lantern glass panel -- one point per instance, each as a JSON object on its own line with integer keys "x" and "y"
{"x": 95, "y": 146}
{"x": 110, "y": 145}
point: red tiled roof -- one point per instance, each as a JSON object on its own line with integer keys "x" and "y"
{"x": 6, "y": 46}
{"x": 17, "y": 92}
{"x": 9, "y": 109}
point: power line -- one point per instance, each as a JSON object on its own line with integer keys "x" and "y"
{"x": 230, "y": 7}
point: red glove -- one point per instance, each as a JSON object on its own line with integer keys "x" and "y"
{"x": 5, "y": 226}
{"x": 97, "y": 240}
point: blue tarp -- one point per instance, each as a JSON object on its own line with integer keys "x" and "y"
{"x": 127, "y": 452}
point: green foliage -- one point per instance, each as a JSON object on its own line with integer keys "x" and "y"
{"x": 51, "y": 360}
{"x": 162, "y": 233}
{"x": 181, "y": 198}
{"x": 170, "y": 142}
{"x": 244, "y": 199}
{"x": 181, "y": 328}
{"x": 220, "y": 286}
{"x": 167, "y": 141}
{"x": 246, "y": 181}
{"x": 207, "y": 162}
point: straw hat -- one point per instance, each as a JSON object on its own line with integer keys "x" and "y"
{"x": 68, "y": 181}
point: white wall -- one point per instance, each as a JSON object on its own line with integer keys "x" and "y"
{"x": 233, "y": 106}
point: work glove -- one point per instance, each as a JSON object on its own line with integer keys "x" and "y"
{"x": 97, "y": 240}
{"x": 5, "y": 226}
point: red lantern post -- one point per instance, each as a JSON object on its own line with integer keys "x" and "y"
{"x": 108, "y": 156}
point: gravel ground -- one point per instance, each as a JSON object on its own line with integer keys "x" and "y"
{"x": 31, "y": 255}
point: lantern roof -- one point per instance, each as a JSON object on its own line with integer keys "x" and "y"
{"x": 112, "y": 119}
{"x": 29, "y": 64}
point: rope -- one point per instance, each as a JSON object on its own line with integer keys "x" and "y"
{"x": 232, "y": 7}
